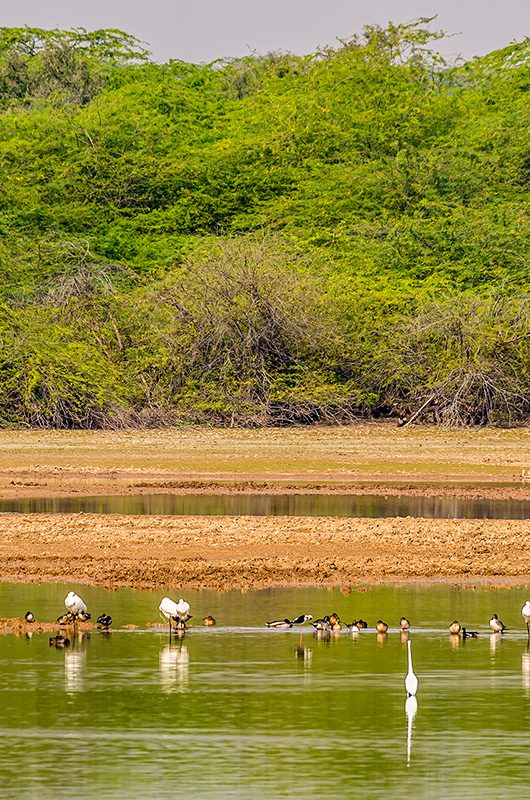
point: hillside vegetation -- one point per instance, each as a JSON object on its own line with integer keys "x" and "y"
{"x": 264, "y": 241}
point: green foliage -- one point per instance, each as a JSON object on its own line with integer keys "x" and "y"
{"x": 262, "y": 241}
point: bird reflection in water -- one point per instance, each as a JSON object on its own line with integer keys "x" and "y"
{"x": 174, "y": 666}
{"x": 495, "y": 641}
{"x": 74, "y": 667}
{"x": 525, "y": 670}
{"x": 404, "y": 636}
{"x": 381, "y": 638}
{"x": 411, "y": 708}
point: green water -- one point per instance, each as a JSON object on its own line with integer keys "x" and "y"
{"x": 239, "y": 711}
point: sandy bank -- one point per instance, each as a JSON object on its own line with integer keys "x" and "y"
{"x": 255, "y": 552}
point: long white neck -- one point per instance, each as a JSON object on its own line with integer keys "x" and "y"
{"x": 410, "y": 656}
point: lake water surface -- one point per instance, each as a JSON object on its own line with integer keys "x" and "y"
{"x": 240, "y": 711}
{"x": 322, "y": 505}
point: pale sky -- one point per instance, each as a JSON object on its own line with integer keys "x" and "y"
{"x": 203, "y": 30}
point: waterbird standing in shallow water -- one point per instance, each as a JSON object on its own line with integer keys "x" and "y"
{"x": 454, "y": 627}
{"x": 301, "y": 620}
{"x": 75, "y": 605}
{"x": 168, "y": 610}
{"x": 29, "y": 616}
{"x": 321, "y": 624}
{"x": 496, "y": 625}
{"x": 280, "y": 624}
{"x": 411, "y": 681}
{"x": 380, "y": 626}
{"x": 404, "y": 624}
{"x": 525, "y": 611}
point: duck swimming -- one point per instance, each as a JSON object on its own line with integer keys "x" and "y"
{"x": 469, "y": 634}
{"x": 209, "y": 620}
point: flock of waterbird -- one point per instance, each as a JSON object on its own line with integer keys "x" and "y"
{"x": 177, "y": 614}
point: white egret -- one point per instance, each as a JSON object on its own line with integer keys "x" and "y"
{"x": 496, "y": 625}
{"x": 411, "y": 681}
{"x": 76, "y": 606}
{"x": 525, "y": 611}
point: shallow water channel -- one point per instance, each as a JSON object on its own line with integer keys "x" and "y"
{"x": 331, "y": 505}
{"x": 240, "y": 711}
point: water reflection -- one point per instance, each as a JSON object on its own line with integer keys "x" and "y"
{"x": 74, "y": 667}
{"x": 174, "y": 664}
{"x": 411, "y": 708}
{"x": 446, "y": 507}
{"x": 525, "y": 671}
{"x": 495, "y": 640}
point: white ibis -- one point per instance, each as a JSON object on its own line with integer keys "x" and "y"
{"x": 411, "y": 681}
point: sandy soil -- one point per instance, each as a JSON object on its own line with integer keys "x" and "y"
{"x": 254, "y": 552}
{"x": 251, "y": 552}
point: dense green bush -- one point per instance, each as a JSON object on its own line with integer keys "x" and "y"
{"x": 269, "y": 240}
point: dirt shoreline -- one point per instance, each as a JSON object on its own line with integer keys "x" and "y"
{"x": 256, "y": 552}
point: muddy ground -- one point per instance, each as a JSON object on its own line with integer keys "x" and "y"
{"x": 251, "y": 552}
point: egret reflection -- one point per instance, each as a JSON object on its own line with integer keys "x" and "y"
{"x": 411, "y": 708}
{"x": 174, "y": 662}
{"x": 525, "y": 672}
{"x": 74, "y": 667}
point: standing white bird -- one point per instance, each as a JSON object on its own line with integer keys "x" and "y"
{"x": 183, "y": 610}
{"x": 74, "y": 604}
{"x": 525, "y": 611}
{"x": 411, "y": 681}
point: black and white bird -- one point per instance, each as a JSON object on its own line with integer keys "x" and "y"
{"x": 179, "y": 613}
{"x": 469, "y": 634}
{"x": 29, "y": 616}
{"x": 301, "y": 620}
{"x": 104, "y": 622}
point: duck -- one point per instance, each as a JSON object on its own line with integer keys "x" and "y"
{"x": 104, "y": 621}
{"x": 280, "y": 624}
{"x": 496, "y": 625}
{"x": 321, "y": 624}
{"x": 209, "y": 620}
{"x": 59, "y": 641}
{"x": 66, "y": 619}
{"x": 361, "y": 624}
{"x": 29, "y": 616}
{"x": 454, "y": 627}
{"x": 84, "y": 616}
{"x": 380, "y": 626}
{"x": 334, "y": 618}
{"x": 404, "y": 624}
{"x": 469, "y": 634}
